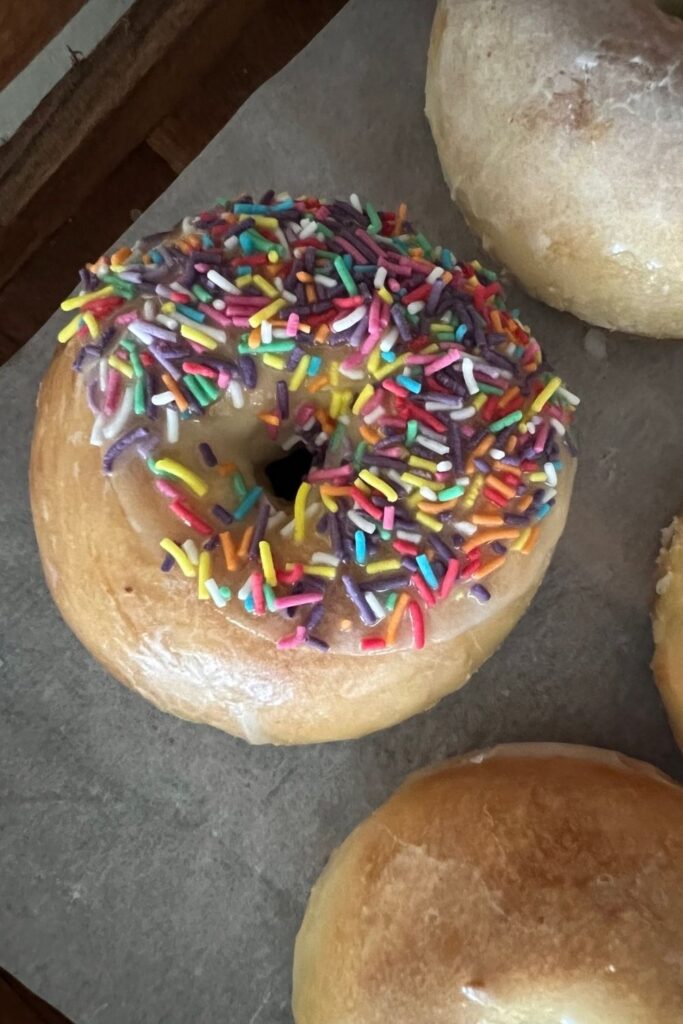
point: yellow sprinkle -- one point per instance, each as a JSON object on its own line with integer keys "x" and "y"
{"x": 429, "y": 521}
{"x": 386, "y": 371}
{"x": 380, "y": 485}
{"x": 169, "y": 308}
{"x": 335, "y": 404}
{"x": 548, "y": 391}
{"x": 194, "y": 482}
{"x": 92, "y": 324}
{"x": 183, "y": 562}
{"x": 374, "y": 360}
{"x": 364, "y": 396}
{"x": 345, "y": 404}
{"x": 518, "y": 544}
{"x": 260, "y": 220}
{"x": 297, "y": 378}
{"x": 537, "y": 478}
{"x": 265, "y": 286}
{"x": 243, "y": 280}
{"x": 300, "y": 508}
{"x": 333, "y": 371}
{"x": 118, "y": 364}
{"x": 275, "y": 362}
{"x": 413, "y": 500}
{"x": 203, "y": 574}
{"x": 472, "y": 493}
{"x": 76, "y": 301}
{"x": 385, "y": 296}
{"x": 273, "y": 256}
{"x": 416, "y": 481}
{"x": 267, "y": 563}
{"x": 194, "y": 334}
{"x": 385, "y": 565}
{"x": 329, "y": 503}
{"x": 361, "y": 485}
{"x": 69, "y": 330}
{"x": 267, "y": 313}
{"x": 479, "y": 400}
{"x": 328, "y": 572}
{"x": 419, "y": 463}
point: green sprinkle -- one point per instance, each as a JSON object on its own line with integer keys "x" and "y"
{"x": 375, "y": 224}
{"x": 269, "y": 595}
{"x": 136, "y": 364}
{"x": 489, "y": 389}
{"x": 225, "y": 592}
{"x": 359, "y": 453}
{"x": 337, "y": 436}
{"x": 425, "y": 244}
{"x": 201, "y": 293}
{"x": 344, "y": 276}
{"x": 506, "y": 421}
{"x": 450, "y": 492}
{"x": 208, "y": 387}
{"x": 196, "y": 390}
{"x": 152, "y": 467}
{"x": 261, "y": 350}
{"x": 139, "y": 396}
{"x": 412, "y": 428}
{"x": 239, "y": 484}
{"x": 322, "y": 229}
{"x": 391, "y": 600}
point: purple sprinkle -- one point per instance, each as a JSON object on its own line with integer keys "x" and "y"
{"x": 222, "y": 513}
{"x": 167, "y": 564}
{"x": 211, "y": 543}
{"x": 480, "y": 593}
{"x": 259, "y": 527}
{"x": 248, "y": 371}
{"x": 112, "y": 453}
{"x": 455, "y": 445}
{"x": 295, "y": 357}
{"x": 498, "y": 547}
{"x": 354, "y": 592}
{"x": 398, "y": 316}
{"x": 92, "y": 395}
{"x": 317, "y": 644}
{"x": 515, "y": 519}
{"x": 384, "y": 584}
{"x": 282, "y": 395}
{"x": 314, "y": 617}
{"x": 206, "y": 452}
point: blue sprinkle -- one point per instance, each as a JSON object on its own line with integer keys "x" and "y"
{"x": 427, "y": 572}
{"x": 156, "y": 256}
{"x": 249, "y": 604}
{"x": 314, "y": 366}
{"x": 347, "y": 260}
{"x": 207, "y": 241}
{"x": 461, "y": 332}
{"x": 248, "y": 503}
{"x": 389, "y": 357}
{"x": 361, "y": 547}
{"x": 447, "y": 259}
{"x": 191, "y": 312}
{"x": 246, "y": 242}
{"x": 409, "y": 384}
{"x": 542, "y": 511}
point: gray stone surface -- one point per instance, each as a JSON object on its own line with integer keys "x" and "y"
{"x": 156, "y": 871}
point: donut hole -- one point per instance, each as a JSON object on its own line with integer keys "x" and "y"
{"x": 672, "y": 7}
{"x": 285, "y": 474}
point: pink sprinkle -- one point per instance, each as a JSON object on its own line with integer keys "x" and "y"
{"x": 242, "y": 302}
{"x": 341, "y": 473}
{"x": 125, "y": 318}
{"x": 292, "y": 324}
{"x": 215, "y": 315}
{"x": 423, "y": 590}
{"x": 541, "y": 437}
{"x": 224, "y": 378}
{"x": 417, "y": 360}
{"x": 396, "y": 389}
{"x": 358, "y": 256}
{"x": 370, "y": 342}
{"x": 450, "y": 576}
{"x": 257, "y": 593}
{"x": 394, "y": 286}
{"x": 294, "y": 600}
{"x": 201, "y": 267}
{"x": 167, "y": 489}
{"x": 199, "y": 349}
{"x": 352, "y": 362}
{"x": 240, "y": 321}
{"x": 295, "y": 639}
{"x": 443, "y": 362}
{"x": 388, "y": 517}
{"x": 112, "y": 394}
{"x": 304, "y": 413}
{"x": 292, "y": 575}
{"x": 373, "y": 320}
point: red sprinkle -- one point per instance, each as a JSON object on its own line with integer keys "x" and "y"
{"x": 190, "y": 518}
{"x": 372, "y": 643}
{"x": 417, "y": 623}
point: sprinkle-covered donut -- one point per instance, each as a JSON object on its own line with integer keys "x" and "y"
{"x": 335, "y": 436}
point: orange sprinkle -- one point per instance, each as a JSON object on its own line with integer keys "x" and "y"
{"x": 229, "y": 553}
{"x": 515, "y": 470}
{"x": 506, "y": 533}
{"x": 270, "y": 417}
{"x": 401, "y": 215}
{"x": 511, "y": 444}
{"x": 498, "y": 485}
{"x": 495, "y": 321}
{"x": 311, "y": 294}
{"x": 523, "y": 503}
{"x": 316, "y": 383}
{"x": 446, "y": 277}
{"x": 483, "y": 446}
{"x": 322, "y": 333}
{"x": 255, "y": 336}
{"x": 508, "y": 397}
{"x": 371, "y": 436}
{"x": 486, "y": 519}
{"x": 304, "y": 277}
{"x": 180, "y": 399}
{"x": 488, "y": 567}
{"x": 437, "y": 506}
{"x": 243, "y": 549}
{"x": 121, "y": 255}
{"x": 531, "y": 540}
{"x": 334, "y": 492}
{"x": 395, "y": 618}
{"x": 225, "y": 468}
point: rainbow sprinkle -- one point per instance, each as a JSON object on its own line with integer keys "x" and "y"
{"x": 419, "y": 431}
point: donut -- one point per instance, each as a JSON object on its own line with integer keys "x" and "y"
{"x": 529, "y": 883}
{"x": 559, "y": 126}
{"x": 667, "y": 624}
{"x": 296, "y": 471}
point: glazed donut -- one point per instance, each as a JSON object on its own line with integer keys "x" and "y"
{"x": 559, "y": 125}
{"x": 667, "y": 624}
{"x": 331, "y": 433}
{"x": 531, "y": 883}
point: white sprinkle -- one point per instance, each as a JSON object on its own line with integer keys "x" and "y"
{"x": 231, "y": 243}
{"x": 412, "y": 538}
{"x": 218, "y": 304}
{"x": 468, "y": 375}
{"x": 172, "y": 425}
{"x": 463, "y": 414}
{"x": 380, "y": 277}
{"x": 176, "y": 287}
{"x": 190, "y": 549}
{"x": 435, "y": 446}
{"x": 165, "y": 398}
{"x": 415, "y": 307}
{"x": 531, "y": 427}
{"x": 215, "y": 594}
{"x": 289, "y": 296}
{"x": 188, "y": 225}
{"x": 323, "y": 558}
{"x": 445, "y": 466}
{"x": 350, "y": 319}
{"x": 148, "y": 309}
{"x": 465, "y": 528}
{"x": 320, "y": 439}
{"x": 497, "y": 454}
{"x": 434, "y": 275}
{"x": 103, "y": 370}
{"x": 245, "y": 590}
{"x": 355, "y": 202}
{"x": 379, "y": 609}
{"x": 222, "y": 282}
{"x": 96, "y": 435}
{"x": 568, "y": 396}
{"x": 280, "y": 235}
{"x": 462, "y": 481}
{"x": 429, "y": 494}
{"x": 121, "y": 416}
{"x": 167, "y": 321}
{"x": 550, "y": 474}
{"x": 311, "y": 510}
{"x": 276, "y": 519}
{"x": 376, "y": 413}
{"x": 281, "y": 332}
{"x": 548, "y": 494}
{"x": 559, "y": 427}
{"x": 289, "y": 442}
{"x": 437, "y": 406}
{"x": 236, "y": 394}
{"x": 308, "y": 228}
{"x": 325, "y": 281}
{"x": 352, "y": 374}
{"x": 361, "y": 522}
{"x": 395, "y": 477}
{"x": 310, "y": 422}
{"x": 389, "y": 339}
{"x": 447, "y": 318}
{"x": 266, "y": 332}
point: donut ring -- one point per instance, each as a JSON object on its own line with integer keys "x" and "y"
{"x": 425, "y": 481}
{"x": 532, "y": 882}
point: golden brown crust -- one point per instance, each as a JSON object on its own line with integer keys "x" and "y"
{"x": 205, "y": 664}
{"x": 667, "y": 625}
{"x": 560, "y": 132}
{"x": 535, "y": 882}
